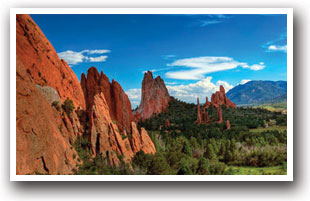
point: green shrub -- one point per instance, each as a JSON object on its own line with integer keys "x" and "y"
{"x": 56, "y": 105}
{"x": 68, "y": 106}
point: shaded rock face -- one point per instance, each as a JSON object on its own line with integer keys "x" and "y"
{"x": 42, "y": 62}
{"x": 141, "y": 141}
{"x": 43, "y": 139}
{"x": 104, "y": 133}
{"x": 154, "y": 98}
{"x": 218, "y": 99}
{"x": 115, "y": 97}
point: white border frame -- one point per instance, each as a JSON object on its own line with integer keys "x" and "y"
{"x": 287, "y": 11}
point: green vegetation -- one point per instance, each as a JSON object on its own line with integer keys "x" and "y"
{"x": 97, "y": 165}
{"x": 56, "y": 105}
{"x": 187, "y": 148}
{"x": 68, "y": 106}
{"x": 209, "y": 149}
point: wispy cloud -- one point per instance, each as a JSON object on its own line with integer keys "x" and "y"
{"x": 213, "y": 19}
{"x": 202, "y": 88}
{"x": 73, "y": 57}
{"x": 169, "y": 56}
{"x": 277, "y": 48}
{"x": 197, "y": 67}
{"x": 219, "y": 16}
{"x": 208, "y": 22}
{"x": 273, "y": 46}
{"x": 95, "y": 51}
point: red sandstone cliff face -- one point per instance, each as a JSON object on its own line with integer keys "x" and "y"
{"x": 115, "y": 97}
{"x": 42, "y": 62}
{"x": 44, "y": 134}
{"x": 43, "y": 138}
{"x": 154, "y": 97}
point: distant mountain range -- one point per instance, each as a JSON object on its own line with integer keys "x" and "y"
{"x": 258, "y": 92}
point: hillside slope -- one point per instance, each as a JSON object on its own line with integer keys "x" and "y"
{"x": 258, "y": 92}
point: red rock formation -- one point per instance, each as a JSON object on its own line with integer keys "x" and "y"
{"x": 207, "y": 104}
{"x": 116, "y": 99}
{"x": 42, "y": 62}
{"x": 147, "y": 144}
{"x": 199, "y": 119}
{"x": 104, "y": 134}
{"x": 167, "y": 123}
{"x": 219, "y": 98}
{"x": 154, "y": 97}
{"x": 219, "y": 115}
{"x": 227, "y": 124}
{"x": 110, "y": 121}
{"x": 44, "y": 133}
{"x": 42, "y": 137}
{"x": 141, "y": 141}
{"x": 135, "y": 138}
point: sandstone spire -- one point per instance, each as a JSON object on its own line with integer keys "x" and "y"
{"x": 154, "y": 97}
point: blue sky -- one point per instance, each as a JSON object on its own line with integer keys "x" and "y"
{"x": 194, "y": 54}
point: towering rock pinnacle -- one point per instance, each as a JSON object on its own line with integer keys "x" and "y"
{"x": 154, "y": 97}
{"x": 219, "y": 115}
{"x": 227, "y": 124}
{"x": 199, "y": 118}
{"x": 115, "y": 97}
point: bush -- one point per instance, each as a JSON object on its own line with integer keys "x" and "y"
{"x": 56, "y": 105}
{"x": 68, "y": 106}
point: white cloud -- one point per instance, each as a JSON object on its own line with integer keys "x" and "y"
{"x": 199, "y": 66}
{"x": 95, "y": 51}
{"x": 278, "y": 48}
{"x": 255, "y": 67}
{"x": 169, "y": 56}
{"x": 97, "y": 59}
{"x": 134, "y": 96}
{"x": 201, "y": 89}
{"x": 208, "y": 22}
{"x": 72, "y": 57}
{"x": 244, "y": 81}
